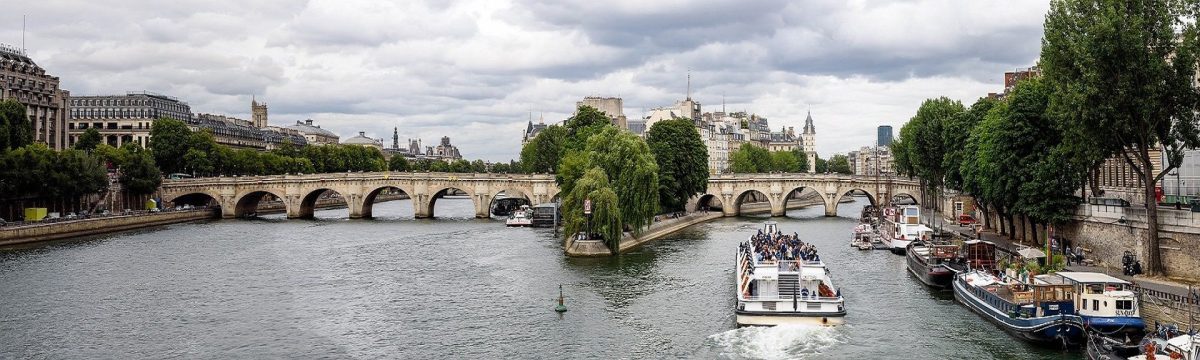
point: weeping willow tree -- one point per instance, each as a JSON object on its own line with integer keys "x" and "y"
{"x": 619, "y": 174}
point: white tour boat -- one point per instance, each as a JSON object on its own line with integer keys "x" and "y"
{"x": 520, "y": 217}
{"x": 781, "y": 280}
{"x": 901, "y": 225}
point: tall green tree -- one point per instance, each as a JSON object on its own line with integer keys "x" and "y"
{"x": 1124, "y": 73}
{"x": 15, "y": 129}
{"x": 139, "y": 176}
{"x": 839, "y": 163}
{"x": 922, "y": 142}
{"x": 88, "y": 140}
{"x": 682, "y": 162}
{"x": 398, "y": 163}
{"x": 632, "y": 171}
{"x": 749, "y": 159}
{"x": 545, "y": 151}
{"x": 169, "y": 140}
{"x": 822, "y": 165}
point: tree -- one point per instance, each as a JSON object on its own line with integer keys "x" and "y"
{"x": 955, "y": 132}
{"x": 197, "y": 163}
{"x": 88, "y": 140}
{"x": 682, "y": 162}
{"x": 398, "y": 163}
{"x": 801, "y": 160}
{"x": 1124, "y": 73}
{"x": 749, "y": 158}
{"x": 632, "y": 171}
{"x": 15, "y": 129}
{"x": 169, "y": 140}
{"x": 580, "y": 127}
{"x": 822, "y": 165}
{"x": 606, "y": 223}
{"x": 139, "y": 176}
{"x": 785, "y": 161}
{"x": 545, "y": 151}
{"x": 840, "y": 164}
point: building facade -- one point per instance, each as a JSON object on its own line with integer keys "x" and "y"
{"x": 362, "y": 140}
{"x": 532, "y": 130}
{"x": 314, "y": 134}
{"x": 611, "y": 106}
{"x": 45, "y": 103}
{"x": 872, "y": 160}
{"x": 122, "y": 119}
{"x": 810, "y": 142}
{"x": 883, "y": 136}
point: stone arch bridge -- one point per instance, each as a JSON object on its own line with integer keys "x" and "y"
{"x": 732, "y": 190}
{"x": 239, "y": 196}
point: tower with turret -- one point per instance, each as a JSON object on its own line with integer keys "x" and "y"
{"x": 810, "y": 143}
{"x": 258, "y": 113}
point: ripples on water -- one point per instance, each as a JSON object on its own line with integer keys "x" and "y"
{"x": 454, "y": 287}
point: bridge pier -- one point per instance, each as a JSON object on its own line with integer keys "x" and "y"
{"x": 483, "y": 202}
{"x": 831, "y": 203}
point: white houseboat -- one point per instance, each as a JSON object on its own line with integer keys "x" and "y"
{"x": 901, "y": 225}
{"x": 781, "y": 280}
{"x": 520, "y": 217}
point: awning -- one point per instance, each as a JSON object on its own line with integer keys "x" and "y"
{"x": 1030, "y": 253}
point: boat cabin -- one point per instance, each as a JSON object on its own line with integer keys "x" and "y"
{"x": 979, "y": 254}
{"x": 1024, "y": 299}
{"x": 1099, "y": 295}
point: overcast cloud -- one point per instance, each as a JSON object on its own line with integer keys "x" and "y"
{"x": 474, "y": 70}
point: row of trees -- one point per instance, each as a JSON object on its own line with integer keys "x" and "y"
{"x": 749, "y": 158}
{"x": 65, "y": 181}
{"x": 627, "y": 179}
{"x": 1118, "y": 81}
{"x": 178, "y": 149}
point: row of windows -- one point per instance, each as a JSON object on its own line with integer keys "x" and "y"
{"x": 108, "y": 126}
{"x": 129, "y": 102}
{"x": 112, "y": 113}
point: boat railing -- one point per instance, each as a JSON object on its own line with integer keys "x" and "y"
{"x": 789, "y": 298}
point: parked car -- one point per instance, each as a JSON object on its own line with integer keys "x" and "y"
{"x": 965, "y": 220}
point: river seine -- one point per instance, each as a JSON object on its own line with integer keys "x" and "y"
{"x": 454, "y": 287}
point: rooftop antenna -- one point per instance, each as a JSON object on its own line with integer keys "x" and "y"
{"x": 23, "y": 33}
{"x": 689, "y": 84}
{"x": 722, "y": 102}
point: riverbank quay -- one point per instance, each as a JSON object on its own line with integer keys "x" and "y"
{"x": 629, "y": 242}
{"x": 1163, "y": 300}
{"x": 30, "y": 233}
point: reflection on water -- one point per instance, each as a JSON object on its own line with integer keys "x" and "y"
{"x": 452, "y": 287}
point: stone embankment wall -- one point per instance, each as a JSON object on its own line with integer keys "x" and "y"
{"x": 1108, "y": 231}
{"x": 96, "y": 226}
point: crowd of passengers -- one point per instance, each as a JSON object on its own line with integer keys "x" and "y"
{"x": 770, "y": 247}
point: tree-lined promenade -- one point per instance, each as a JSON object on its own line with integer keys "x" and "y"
{"x": 1118, "y": 81}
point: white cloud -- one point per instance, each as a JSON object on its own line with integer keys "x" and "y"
{"x": 474, "y": 70}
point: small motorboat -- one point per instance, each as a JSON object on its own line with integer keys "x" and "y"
{"x": 520, "y": 217}
{"x": 862, "y": 237}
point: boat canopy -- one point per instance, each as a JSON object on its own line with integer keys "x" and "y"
{"x": 1091, "y": 277}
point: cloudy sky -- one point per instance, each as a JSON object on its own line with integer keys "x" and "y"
{"x": 475, "y": 70}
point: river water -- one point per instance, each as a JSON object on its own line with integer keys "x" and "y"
{"x": 453, "y": 287}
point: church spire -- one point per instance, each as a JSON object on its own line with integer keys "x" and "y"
{"x": 689, "y": 84}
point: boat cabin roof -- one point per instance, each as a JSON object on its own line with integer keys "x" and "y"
{"x": 1091, "y": 277}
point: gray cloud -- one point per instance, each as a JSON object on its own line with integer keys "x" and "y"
{"x": 475, "y": 69}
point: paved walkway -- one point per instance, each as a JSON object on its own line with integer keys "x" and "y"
{"x": 1165, "y": 286}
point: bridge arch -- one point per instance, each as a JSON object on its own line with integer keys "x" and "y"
{"x": 198, "y": 198}
{"x": 905, "y": 194}
{"x": 310, "y": 201}
{"x": 246, "y": 204}
{"x": 806, "y": 193}
{"x": 431, "y": 204}
{"x": 507, "y": 193}
{"x": 757, "y": 196}
{"x": 368, "y": 201}
{"x": 708, "y": 202}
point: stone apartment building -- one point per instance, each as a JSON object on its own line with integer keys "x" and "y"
{"x": 611, "y": 106}
{"x": 45, "y": 103}
{"x": 122, "y": 119}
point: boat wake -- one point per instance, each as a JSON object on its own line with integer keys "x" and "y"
{"x": 778, "y": 342}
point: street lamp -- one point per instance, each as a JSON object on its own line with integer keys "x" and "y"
{"x": 1178, "y": 190}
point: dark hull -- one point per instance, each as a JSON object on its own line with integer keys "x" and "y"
{"x": 1051, "y": 330}
{"x": 1101, "y": 348}
{"x": 938, "y": 276}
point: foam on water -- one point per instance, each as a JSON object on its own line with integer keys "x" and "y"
{"x": 779, "y": 342}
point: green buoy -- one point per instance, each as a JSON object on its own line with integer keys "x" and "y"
{"x": 560, "y": 308}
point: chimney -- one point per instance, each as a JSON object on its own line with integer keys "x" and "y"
{"x": 362, "y": 133}
{"x": 308, "y": 122}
